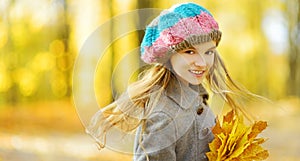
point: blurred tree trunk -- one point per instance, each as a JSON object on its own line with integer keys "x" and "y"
{"x": 11, "y": 57}
{"x": 293, "y": 8}
{"x": 63, "y": 33}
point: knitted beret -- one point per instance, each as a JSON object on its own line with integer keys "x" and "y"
{"x": 177, "y": 28}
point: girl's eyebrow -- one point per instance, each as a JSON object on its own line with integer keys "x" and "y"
{"x": 186, "y": 49}
{"x": 189, "y": 48}
{"x": 212, "y": 48}
{"x": 192, "y": 48}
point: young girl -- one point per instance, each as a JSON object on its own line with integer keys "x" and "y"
{"x": 167, "y": 107}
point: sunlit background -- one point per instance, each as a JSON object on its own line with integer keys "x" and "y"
{"x": 40, "y": 40}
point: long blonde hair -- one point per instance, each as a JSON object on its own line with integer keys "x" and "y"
{"x": 131, "y": 109}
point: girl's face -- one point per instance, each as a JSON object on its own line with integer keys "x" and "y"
{"x": 192, "y": 64}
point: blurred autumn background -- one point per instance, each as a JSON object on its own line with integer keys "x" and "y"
{"x": 40, "y": 41}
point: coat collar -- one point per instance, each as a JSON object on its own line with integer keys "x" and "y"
{"x": 185, "y": 95}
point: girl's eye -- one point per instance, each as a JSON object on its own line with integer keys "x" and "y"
{"x": 189, "y": 52}
{"x": 210, "y": 52}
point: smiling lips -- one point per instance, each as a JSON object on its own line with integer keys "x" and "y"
{"x": 197, "y": 73}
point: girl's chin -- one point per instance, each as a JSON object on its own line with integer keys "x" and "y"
{"x": 191, "y": 80}
{"x": 195, "y": 82}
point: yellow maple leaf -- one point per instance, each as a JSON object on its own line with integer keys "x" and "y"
{"x": 235, "y": 141}
{"x": 257, "y": 128}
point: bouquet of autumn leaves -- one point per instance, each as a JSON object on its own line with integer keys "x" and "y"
{"x": 235, "y": 141}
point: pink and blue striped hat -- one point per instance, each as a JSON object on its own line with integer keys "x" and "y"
{"x": 177, "y": 28}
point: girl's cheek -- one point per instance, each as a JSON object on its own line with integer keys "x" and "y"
{"x": 212, "y": 59}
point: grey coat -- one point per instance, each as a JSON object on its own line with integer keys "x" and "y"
{"x": 174, "y": 131}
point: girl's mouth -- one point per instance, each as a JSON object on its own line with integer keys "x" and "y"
{"x": 197, "y": 73}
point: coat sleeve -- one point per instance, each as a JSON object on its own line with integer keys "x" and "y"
{"x": 158, "y": 140}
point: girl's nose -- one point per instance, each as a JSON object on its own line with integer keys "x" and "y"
{"x": 199, "y": 60}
